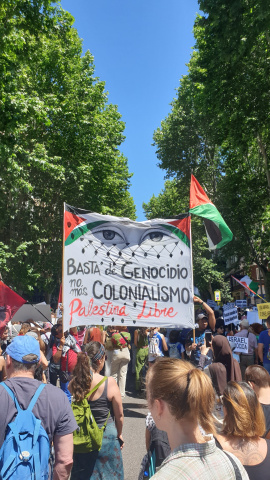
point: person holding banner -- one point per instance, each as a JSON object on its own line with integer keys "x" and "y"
{"x": 264, "y": 346}
{"x": 181, "y": 399}
{"x": 251, "y": 356}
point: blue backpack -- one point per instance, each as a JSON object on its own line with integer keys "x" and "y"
{"x": 25, "y": 452}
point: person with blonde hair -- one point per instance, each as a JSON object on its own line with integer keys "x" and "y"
{"x": 181, "y": 399}
{"x": 243, "y": 426}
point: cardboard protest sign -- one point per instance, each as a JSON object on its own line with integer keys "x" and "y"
{"x": 238, "y": 344}
{"x": 120, "y": 271}
{"x": 230, "y": 314}
{"x": 253, "y": 317}
{"x": 241, "y": 303}
{"x": 263, "y": 310}
{"x": 211, "y": 303}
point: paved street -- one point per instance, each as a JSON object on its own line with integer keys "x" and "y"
{"x": 135, "y": 410}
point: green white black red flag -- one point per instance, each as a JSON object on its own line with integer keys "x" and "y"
{"x": 217, "y": 230}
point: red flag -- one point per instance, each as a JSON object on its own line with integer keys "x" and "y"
{"x": 10, "y": 302}
{"x": 8, "y": 298}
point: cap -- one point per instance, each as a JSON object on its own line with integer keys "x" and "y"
{"x": 201, "y": 316}
{"x": 21, "y": 347}
{"x": 244, "y": 324}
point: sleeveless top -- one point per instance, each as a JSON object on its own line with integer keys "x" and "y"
{"x": 101, "y": 407}
{"x": 259, "y": 471}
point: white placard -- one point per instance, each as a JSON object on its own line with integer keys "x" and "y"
{"x": 238, "y": 344}
{"x": 125, "y": 272}
{"x": 253, "y": 317}
{"x": 241, "y": 303}
{"x": 230, "y": 315}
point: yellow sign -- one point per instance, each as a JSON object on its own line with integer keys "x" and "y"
{"x": 217, "y": 296}
{"x": 263, "y": 310}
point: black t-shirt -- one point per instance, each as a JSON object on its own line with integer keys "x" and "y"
{"x": 52, "y": 407}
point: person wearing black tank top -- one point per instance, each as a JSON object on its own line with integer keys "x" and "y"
{"x": 106, "y": 406}
{"x": 243, "y": 426}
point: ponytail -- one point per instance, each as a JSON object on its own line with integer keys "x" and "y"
{"x": 200, "y": 399}
{"x": 187, "y": 391}
{"x": 80, "y": 383}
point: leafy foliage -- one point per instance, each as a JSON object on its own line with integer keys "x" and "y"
{"x": 218, "y": 126}
{"x": 59, "y": 140}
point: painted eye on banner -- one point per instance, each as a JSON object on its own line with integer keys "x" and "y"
{"x": 155, "y": 235}
{"x": 109, "y": 235}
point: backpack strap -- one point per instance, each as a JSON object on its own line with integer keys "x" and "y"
{"x": 92, "y": 391}
{"x": 35, "y": 397}
{"x": 11, "y": 394}
{"x": 96, "y": 387}
{"x": 238, "y": 475}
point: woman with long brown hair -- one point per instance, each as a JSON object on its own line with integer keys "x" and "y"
{"x": 224, "y": 367}
{"x": 181, "y": 399}
{"x": 243, "y": 426}
{"x": 106, "y": 407}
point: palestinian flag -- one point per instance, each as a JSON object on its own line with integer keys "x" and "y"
{"x": 248, "y": 284}
{"x": 217, "y": 230}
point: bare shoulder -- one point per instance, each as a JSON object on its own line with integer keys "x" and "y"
{"x": 248, "y": 451}
{"x": 113, "y": 388}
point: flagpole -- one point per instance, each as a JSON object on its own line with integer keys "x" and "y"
{"x": 63, "y": 250}
{"x": 192, "y": 281}
{"x": 245, "y": 286}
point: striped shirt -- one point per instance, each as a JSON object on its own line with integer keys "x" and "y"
{"x": 199, "y": 461}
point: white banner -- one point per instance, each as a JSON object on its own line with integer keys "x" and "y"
{"x": 120, "y": 271}
{"x": 238, "y": 344}
{"x": 241, "y": 303}
{"x": 230, "y": 315}
{"x": 253, "y": 317}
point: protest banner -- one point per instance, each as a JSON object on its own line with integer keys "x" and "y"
{"x": 241, "y": 303}
{"x": 263, "y": 310}
{"x": 119, "y": 271}
{"x": 238, "y": 344}
{"x": 253, "y": 317}
{"x": 230, "y": 314}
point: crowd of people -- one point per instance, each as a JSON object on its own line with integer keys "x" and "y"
{"x": 209, "y": 408}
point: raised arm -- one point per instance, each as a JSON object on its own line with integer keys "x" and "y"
{"x": 209, "y": 311}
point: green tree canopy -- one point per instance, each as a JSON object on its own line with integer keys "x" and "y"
{"x": 218, "y": 126}
{"x": 59, "y": 140}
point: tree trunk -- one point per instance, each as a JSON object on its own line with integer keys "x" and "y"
{"x": 211, "y": 291}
